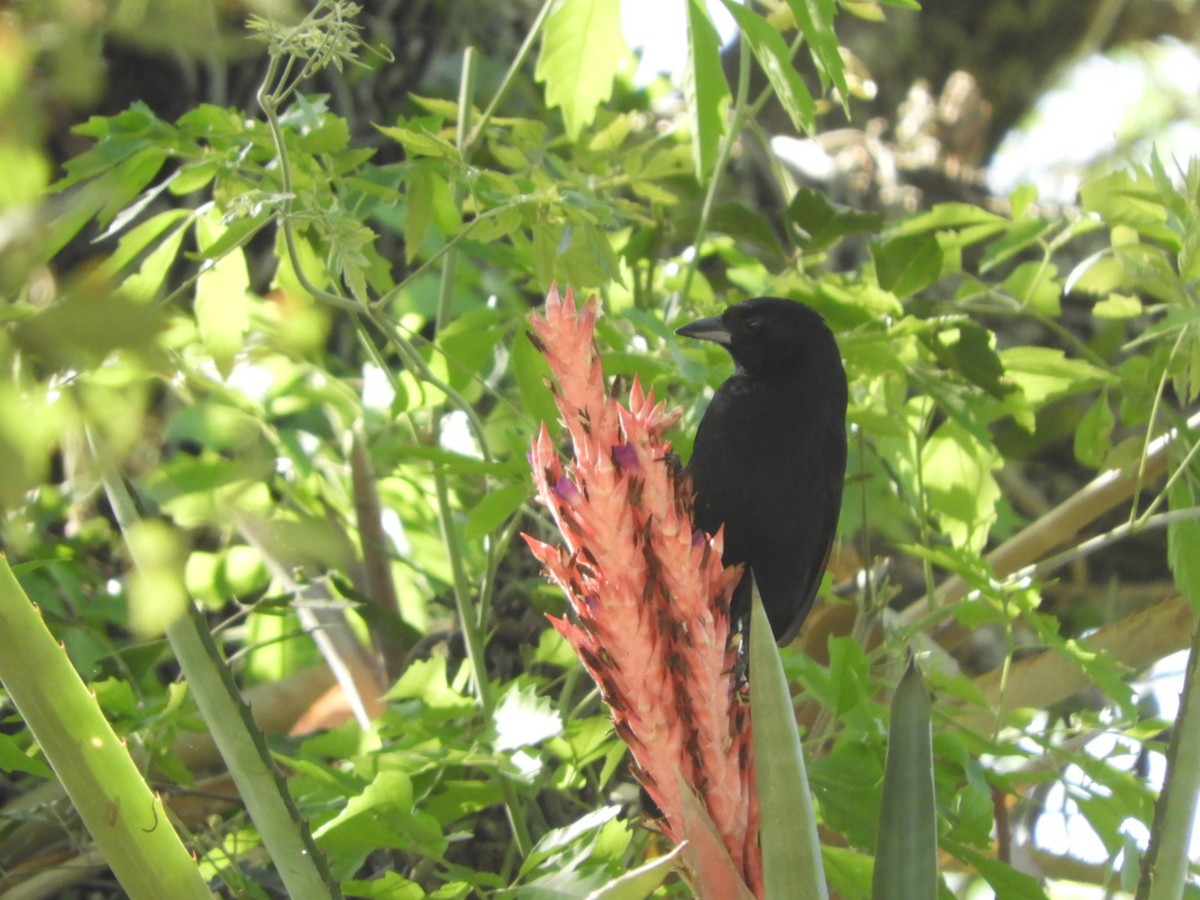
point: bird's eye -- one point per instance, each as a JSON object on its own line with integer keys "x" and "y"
{"x": 753, "y": 323}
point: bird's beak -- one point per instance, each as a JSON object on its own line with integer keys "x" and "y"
{"x": 710, "y": 329}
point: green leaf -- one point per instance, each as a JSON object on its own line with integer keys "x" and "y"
{"x": 382, "y": 815}
{"x": 419, "y": 213}
{"x": 815, "y": 19}
{"x": 962, "y": 489}
{"x": 389, "y": 886}
{"x": 1036, "y": 285}
{"x": 237, "y": 233}
{"x": 1093, "y": 436}
{"x": 331, "y": 136}
{"x": 905, "y": 265}
{"x": 1131, "y": 198}
{"x": 14, "y": 759}
{"x": 134, "y": 243}
{"x": 1183, "y": 543}
{"x": 583, "y": 46}
{"x": 425, "y": 680}
{"x": 418, "y": 142}
{"x": 823, "y": 223}
{"x": 968, "y": 349}
{"x": 222, "y": 298}
{"x": 494, "y": 509}
{"x": 641, "y": 882}
{"x": 906, "y": 850}
{"x": 1046, "y": 373}
{"x": 791, "y": 845}
{"x": 1117, "y": 306}
{"x": 1007, "y": 882}
{"x": 81, "y": 329}
{"x": 849, "y": 871}
{"x": 773, "y": 56}
{"x": 148, "y": 281}
{"x": 705, "y": 90}
{"x": 948, "y": 216}
{"x": 739, "y": 221}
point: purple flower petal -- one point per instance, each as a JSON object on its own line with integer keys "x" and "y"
{"x": 625, "y": 457}
{"x": 567, "y": 491}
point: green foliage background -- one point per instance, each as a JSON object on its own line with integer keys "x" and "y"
{"x": 297, "y": 337}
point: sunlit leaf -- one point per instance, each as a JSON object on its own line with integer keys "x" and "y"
{"x": 776, "y": 61}
{"x": 815, "y": 19}
{"x": 583, "y": 47}
{"x": 705, "y": 89}
{"x": 222, "y": 299}
{"x": 905, "y": 265}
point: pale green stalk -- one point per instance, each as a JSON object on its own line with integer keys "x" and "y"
{"x": 285, "y": 835}
{"x": 128, "y": 822}
{"x": 1166, "y": 865}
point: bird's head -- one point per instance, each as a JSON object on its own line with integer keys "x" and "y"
{"x": 769, "y": 337}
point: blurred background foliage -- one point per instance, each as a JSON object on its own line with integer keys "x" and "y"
{"x": 275, "y": 270}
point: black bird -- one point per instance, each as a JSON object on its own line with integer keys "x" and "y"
{"x": 770, "y": 453}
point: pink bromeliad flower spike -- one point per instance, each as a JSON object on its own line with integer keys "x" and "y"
{"x": 650, "y": 603}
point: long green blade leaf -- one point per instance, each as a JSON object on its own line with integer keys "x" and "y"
{"x": 906, "y": 851}
{"x": 791, "y": 846}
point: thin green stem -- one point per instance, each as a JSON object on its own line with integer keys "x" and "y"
{"x": 1164, "y": 870}
{"x": 468, "y": 145}
{"x": 1154, "y": 408}
{"x": 285, "y": 834}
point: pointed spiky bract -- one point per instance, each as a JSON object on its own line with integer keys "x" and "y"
{"x": 649, "y": 596}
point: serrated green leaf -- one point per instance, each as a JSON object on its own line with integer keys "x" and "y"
{"x": 968, "y": 349}
{"x": 948, "y": 215}
{"x": 1046, "y": 373}
{"x": 134, "y": 243}
{"x": 425, "y": 680}
{"x": 823, "y": 224}
{"x": 963, "y": 491}
{"x": 905, "y": 265}
{"x": 1020, "y": 236}
{"x": 705, "y": 90}
{"x": 1131, "y": 198}
{"x": 419, "y": 212}
{"x": 237, "y": 232}
{"x": 332, "y": 135}
{"x": 773, "y": 56}
{"x": 1117, "y": 306}
{"x": 152, "y": 274}
{"x": 1093, "y": 437}
{"x": 815, "y": 20}
{"x": 14, "y": 759}
{"x": 1036, "y": 285}
{"x": 494, "y": 509}
{"x": 1183, "y": 543}
{"x": 422, "y": 143}
{"x": 222, "y": 298}
{"x": 739, "y": 221}
{"x": 583, "y": 46}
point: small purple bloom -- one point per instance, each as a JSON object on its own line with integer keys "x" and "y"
{"x": 625, "y": 457}
{"x": 566, "y": 491}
